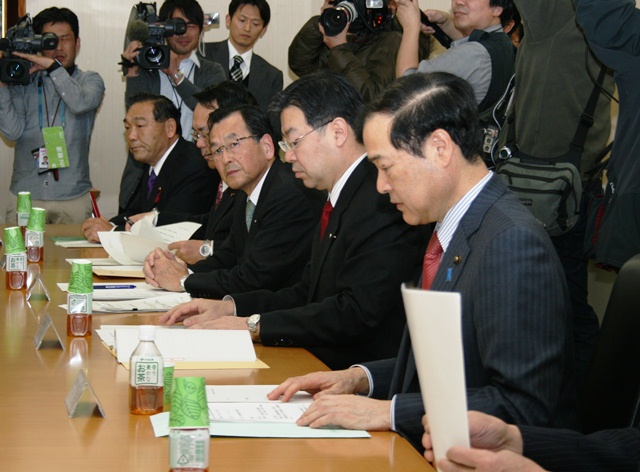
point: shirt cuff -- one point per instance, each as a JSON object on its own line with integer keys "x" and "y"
{"x": 369, "y": 378}
{"x": 392, "y": 414}
{"x": 227, "y": 298}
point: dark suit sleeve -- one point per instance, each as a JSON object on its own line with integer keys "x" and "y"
{"x": 307, "y": 51}
{"x": 278, "y": 244}
{"x": 209, "y": 73}
{"x": 610, "y": 24}
{"x": 561, "y": 450}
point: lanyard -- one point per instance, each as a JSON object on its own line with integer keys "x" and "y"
{"x": 179, "y": 102}
{"x": 42, "y": 96}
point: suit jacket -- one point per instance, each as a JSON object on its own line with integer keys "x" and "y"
{"x": 185, "y": 184}
{"x": 516, "y": 324}
{"x": 614, "y": 450}
{"x": 348, "y": 305}
{"x": 273, "y": 253}
{"x": 264, "y": 80}
{"x": 216, "y": 224}
{"x": 148, "y": 81}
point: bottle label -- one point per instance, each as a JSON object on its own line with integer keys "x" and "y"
{"x": 34, "y": 238}
{"x": 17, "y": 262}
{"x": 189, "y": 449}
{"x": 80, "y": 303}
{"x": 147, "y": 371}
{"x": 23, "y": 218}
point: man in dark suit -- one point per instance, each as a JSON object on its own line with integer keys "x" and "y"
{"x": 175, "y": 177}
{"x": 186, "y": 75}
{"x": 216, "y": 224}
{"x": 423, "y": 135}
{"x": 347, "y": 305}
{"x": 498, "y": 446}
{"x": 247, "y": 22}
{"x": 274, "y": 215}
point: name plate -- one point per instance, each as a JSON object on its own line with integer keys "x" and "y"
{"x": 42, "y": 330}
{"x": 77, "y": 389}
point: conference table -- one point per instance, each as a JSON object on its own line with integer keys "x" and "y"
{"x": 36, "y": 432}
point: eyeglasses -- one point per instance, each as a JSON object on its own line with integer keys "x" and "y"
{"x": 231, "y": 146}
{"x": 287, "y": 145}
{"x": 197, "y": 136}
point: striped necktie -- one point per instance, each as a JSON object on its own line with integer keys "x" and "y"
{"x": 236, "y": 72}
{"x": 431, "y": 261}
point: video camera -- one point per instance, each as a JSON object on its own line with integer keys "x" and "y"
{"x": 21, "y": 38}
{"x": 144, "y": 27}
{"x": 361, "y": 14}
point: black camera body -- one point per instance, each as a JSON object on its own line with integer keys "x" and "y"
{"x": 361, "y": 15}
{"x": 146, "y": 28}
{"x": 21, "y": 38}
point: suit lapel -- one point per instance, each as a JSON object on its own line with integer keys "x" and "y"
{"x": 264, "y": 192}
{"x": 333, "y": 228}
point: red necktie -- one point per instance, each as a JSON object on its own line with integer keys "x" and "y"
{"x": 431, "y": 261}
{"x": 324, "y": 220}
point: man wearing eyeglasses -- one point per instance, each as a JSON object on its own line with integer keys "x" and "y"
{"x": 347, "y": 305}
{"x": 274, "y": 215}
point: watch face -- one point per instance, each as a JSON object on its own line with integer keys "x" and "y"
{"x": 205, "y": 250}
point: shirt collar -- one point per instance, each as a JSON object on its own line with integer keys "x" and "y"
{"x": 246, "y": 57}
{"x": 158, "y": 167}
{"x": 334, "y": 194}
{"x": 255, "y": 195}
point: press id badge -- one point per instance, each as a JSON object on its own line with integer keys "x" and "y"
{"x": 41, "y": 159}
{"x": 55, "y": 147}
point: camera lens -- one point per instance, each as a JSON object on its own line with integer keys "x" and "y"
{"x": 154, "y": 55}
{"x": 334, "y": 20}
{"x": 16, "y": 71}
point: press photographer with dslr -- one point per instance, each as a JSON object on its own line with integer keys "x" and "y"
{"x": 353, "y": 38}
{"x": 60, "y": 99}
{"x": 185, "y": 75}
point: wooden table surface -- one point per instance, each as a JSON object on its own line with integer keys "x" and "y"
{"x": 36, "y": 433}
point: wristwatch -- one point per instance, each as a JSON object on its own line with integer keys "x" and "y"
{"x": 182, "y": 281}
{"x": 252, "y": 322}
{"x": 206, "y": 249}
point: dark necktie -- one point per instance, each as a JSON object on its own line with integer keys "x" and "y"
{"x": 236, "y": 72}
{"x": 324, "y": 220}
{"x": 248, "y": 214}
{"x": 219, "y": 194}
{"x": 150, "y": 182}
{"x": 431, "y": 261}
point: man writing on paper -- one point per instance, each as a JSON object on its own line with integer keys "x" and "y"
{"x": 58, "y": 96}
{"x": 274, "y": 216}
{"x": 422, "y": 135}
{"x": 347, "y": 305}
{"x": 175, "y": 176}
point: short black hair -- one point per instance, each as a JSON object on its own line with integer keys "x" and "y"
{"x": 423, "y": 103}
{"x": 254, "y": 118}
{"x": 261, "y": 5}
{"x": 510, "y": 12}
{"x": 190, "y": 8}
{"x": 163, "y": 108}
{"x": 225, "y": 94}
{"x": 56, "y": 15}
{"x": 322, "y": 97}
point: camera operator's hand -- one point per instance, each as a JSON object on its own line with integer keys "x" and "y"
{"x": 444, "y": 21}
{"x": 130, "y": 54}
{"x": 39, "y": 62}
{"x": 408, "y": 14}
{"x": 326, "y": 4}
{"x": 174, "y": 66}
{"x": 337, "y": 40}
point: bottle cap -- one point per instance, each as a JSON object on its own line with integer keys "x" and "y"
{"x": 147, "y": 333}
{"x": 36, "y": 219}
{"x": 14, "y": 243}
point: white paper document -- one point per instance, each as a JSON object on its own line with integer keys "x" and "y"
{"x": 265, "y": 412}
{"x": 121, "y": 291}
{"x": 131, "y": 248}
{"x": 96, "y": 261}
{"x": 249, "y": 394}
{"x": 434, "y": 320}
{"x": 191, "y": 345}
{"x": 77, "y": 244}
{"x": 144, "y": 305}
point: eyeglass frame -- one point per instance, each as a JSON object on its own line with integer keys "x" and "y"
{"x": 286, "y": 145}
{"x": 235, "y": 143}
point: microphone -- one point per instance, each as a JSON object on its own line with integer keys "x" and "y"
{"x": 5, "y": 44}
{"x": 440, "y": 35}
{"x": 137, "y": 30}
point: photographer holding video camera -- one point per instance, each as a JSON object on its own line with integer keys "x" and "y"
{"x": 174, "y": 71}
{"x": 354, "y": 38}
{"x": 48, "y": 107}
